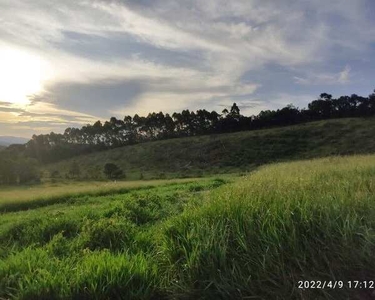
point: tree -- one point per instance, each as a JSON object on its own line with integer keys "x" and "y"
{"x": 74, "y": 170}
{"x": 7, "y": 171}
{"x": 325, "y": 96}
{"x": 27, "y": 171}
{"x": 235, "y": 111}
{"x": 18, "y": 170}
{"x": 112, "y": 171}
{"x": 323, "y": 107}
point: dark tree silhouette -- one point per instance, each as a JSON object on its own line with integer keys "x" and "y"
{"x": 235, "y": 111}
{"x": 112, "y": 171}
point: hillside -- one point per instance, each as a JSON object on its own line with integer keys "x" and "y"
{"x": 234, "y": 152}
{"x": 51, "y": 148}
{"x": 255, "y": 238}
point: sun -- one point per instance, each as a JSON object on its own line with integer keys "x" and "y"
{"x": 21, "y": 74}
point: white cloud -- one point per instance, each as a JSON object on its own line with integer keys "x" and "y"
{"x": 342, "y": 77}
{"x": 228, "y": 40}
{"x": 170, "y": 101}
{"x": 254, "y": 106}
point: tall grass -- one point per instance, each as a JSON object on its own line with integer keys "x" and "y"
{"x": 253, "y": 239}
{"x": 103, "y": 248}
{"x": 286, "y": 222}
{"x": 94, "y": 275}
{"x": 21, "y": 198}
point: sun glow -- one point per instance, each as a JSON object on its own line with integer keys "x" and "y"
{"x": 22, "y": 74}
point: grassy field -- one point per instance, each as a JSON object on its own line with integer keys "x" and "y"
{"x": 254, "y": 238}
{"x": 233, "y": 152}
{"x": 26, "y": 197}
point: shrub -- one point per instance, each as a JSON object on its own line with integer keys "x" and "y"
{"x": 112, "y": 171}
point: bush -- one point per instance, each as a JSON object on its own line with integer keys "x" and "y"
{"x": 112, "y": 171}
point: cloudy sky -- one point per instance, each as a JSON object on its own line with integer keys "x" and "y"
{"x": 69, "y": 63}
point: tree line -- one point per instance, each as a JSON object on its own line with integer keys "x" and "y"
{"x": 156, "y": 126}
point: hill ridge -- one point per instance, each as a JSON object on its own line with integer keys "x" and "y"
{"x": 228, "y": 152}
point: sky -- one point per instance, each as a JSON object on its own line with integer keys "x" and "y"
{"x": 69, "y": 63}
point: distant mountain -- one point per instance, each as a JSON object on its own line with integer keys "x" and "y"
{"x": 8, "y": 140}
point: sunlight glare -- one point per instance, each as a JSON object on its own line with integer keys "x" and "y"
{"x": 21, "y": 74}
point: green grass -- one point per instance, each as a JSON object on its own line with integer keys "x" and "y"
{"x": 92, "y": 246}
{"x": 26, "y": 197}
{"x": 306, "y": 220}
{"x": 253, "y": 238}
{"x": 228, "y": 153}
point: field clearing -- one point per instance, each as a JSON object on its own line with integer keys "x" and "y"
{"x": 252, "y": 238}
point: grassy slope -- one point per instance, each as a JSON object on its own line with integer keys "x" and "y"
{"x": 254, "y": 238}
{"x": 234, "y": 152}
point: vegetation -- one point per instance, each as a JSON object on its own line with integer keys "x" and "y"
{"x": 239, "y": 152}
{"x": 74, "y": 170}
{"x": 14, "y": 198}
{"x": 243, "y": 151}
{"x": 254, "y": 238}
{"x": 18, "y": 169}
{"x": 156, "y": 126}
{"x": 90, "y": 246}
{"x": 202, "y": 155}
{"x": 112, "y": 171}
